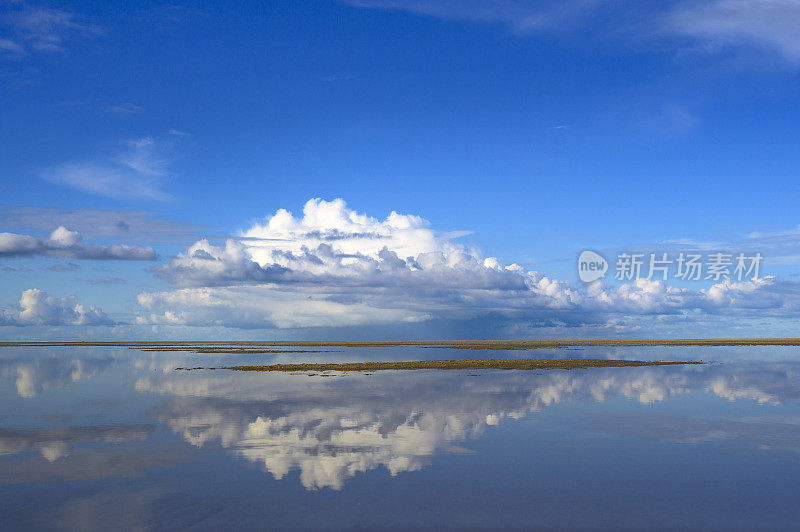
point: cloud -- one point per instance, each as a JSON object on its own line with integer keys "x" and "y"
{"x": 780, "y": 247}
{"x": 521, "y": 15}
{"x": 108, "y": 281}
{"x": 69, "y": 244}
{"x": 70, "y": 267}
{"x": 43, "y": 30}
{"x": 98, "y": 223}
{"x": 264, "y": 307}
{"x": 206, "y": 265}
{"x": 139, "y": 171}
{"x": 767, "y": 24}
{"x": 8, "y": 45}
{"x": 337, "y": 267}
{"x": 38, "y": 308}
{"x": 716, "y": 25}
{"x": 125, "y": 109}
{"x": 359, "y": 270}
{"x": 332, "y": 243}
{"x": 768, "y": 296}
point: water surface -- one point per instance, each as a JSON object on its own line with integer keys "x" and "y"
{"x": 94, "y": 436}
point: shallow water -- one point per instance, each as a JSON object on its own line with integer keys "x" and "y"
{"x": 94, "y": 436}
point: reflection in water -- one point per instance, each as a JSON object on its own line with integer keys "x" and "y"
{"x": 91, "y": 436}
{"x": 763, "y": 434}
{"x": 333, "y": 428}
{"x": 32, "y": 377}
{"x": 56, "y": 443}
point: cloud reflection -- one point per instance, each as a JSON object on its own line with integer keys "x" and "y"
{"x": 332, "y": 429}
{"x": 57, "y": 443}
{"x": 33, "y": 376}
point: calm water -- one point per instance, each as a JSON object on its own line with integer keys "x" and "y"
{"x": 95, "y": 437}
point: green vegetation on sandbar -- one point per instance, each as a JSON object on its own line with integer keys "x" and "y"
{"x": 498, "y": 363}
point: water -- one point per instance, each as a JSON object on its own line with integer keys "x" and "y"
{"x": 98, "y": 437}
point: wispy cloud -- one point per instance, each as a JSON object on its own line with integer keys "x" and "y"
{"x": 138, "y": 171}
{"x": 713, "y": 26}
{"x": 7, "y": 45}
{"x": 108, "y": 280}
{"x": 43, "y": 30}
{"x": 69, "y": 267}
{"x": 521, "y": 15}
{"x": 772, "y": 25}
{"x": 124, "y": 109}
{"x": 781, "y": 247}
{"x": 333, "y": 79}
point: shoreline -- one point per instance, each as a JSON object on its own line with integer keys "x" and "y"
{"x": 231, "y": 346}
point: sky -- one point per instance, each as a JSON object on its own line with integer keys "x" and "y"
{"x": 397, "y": 168}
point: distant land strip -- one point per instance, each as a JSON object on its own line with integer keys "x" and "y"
{"x": 455, "y": 344}
{"x": 227, "y": 350}
{"x": 497, "y": 363}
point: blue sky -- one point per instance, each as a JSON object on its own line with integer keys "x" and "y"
{"x": 524, "y": 131}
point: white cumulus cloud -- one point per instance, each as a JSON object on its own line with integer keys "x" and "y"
{"x": 38, "y": 308}
{"x": 333, "y": 266}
